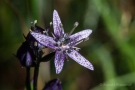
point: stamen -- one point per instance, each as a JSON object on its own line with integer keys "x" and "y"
{"x": 61, "y": 26}
{"x": 86, "y": 39}
{"x": 48, "y": 28}
{"x": 75, "y": 25}
{"x": 33, "y": 24}
{"x": 53, "y": 35}
{"x": 44, "y": 32}
{"x": 35, "y": 44}
{"x": 50, "y": 23}
{"x": 35, "y": 21}
{"x": 77, "y": 42}
{"x": 76, "y": 48}
{"x": 24, "y": 36}
{"x": 30, "y": 31}
{"x": 67, "y": 58}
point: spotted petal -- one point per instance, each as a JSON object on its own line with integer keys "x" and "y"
{"x": 80, "y": 59}
{"x": 56, "y": 24}
{"x": 59, "y": 61}
{"x": 44, "y": 40}
{"x": 80, "y": 36}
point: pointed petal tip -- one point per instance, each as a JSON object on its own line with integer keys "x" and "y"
{"x": 89, "y": 30}
{"x": 55, "y": 11}
{"x": 91, "y": 68}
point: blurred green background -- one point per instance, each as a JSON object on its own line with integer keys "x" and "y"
{"x": 110, "y": 48}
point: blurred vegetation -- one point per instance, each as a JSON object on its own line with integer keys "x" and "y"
{"x": 110, "y": 49}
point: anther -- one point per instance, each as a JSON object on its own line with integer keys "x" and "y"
{"x": 30, "y": 31}
{"x": 50, "y": 23}
{"x": 61, "y": 25}
{"x": 47, "y": 29}
{"x": 35, "y": 21}
{"x": 75, "y": 25}
{"x": 35, "y": 44}
{"x": 44, "y": 32}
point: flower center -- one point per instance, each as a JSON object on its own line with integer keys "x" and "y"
{"x": 64, "y": 47}
{"x": 63, "y": 43}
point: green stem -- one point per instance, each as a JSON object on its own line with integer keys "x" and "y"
{"x": 28, "y": 78}
{"x": 36, "y": 70}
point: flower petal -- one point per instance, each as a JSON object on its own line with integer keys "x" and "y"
{"x": 80, "y": 59}
{"x": 54, "y": 84}
{"x": 56, "y": 24}
{"x": 28, "y": 59}
{"x": 59, "y": 61}
{"x": 80, "y": 36}
{"x": 44, "y": 40}
{"x": 26, "y": 55}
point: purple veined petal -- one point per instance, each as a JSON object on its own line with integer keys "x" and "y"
{"x": 28, "y": 59}
{"x": 59, "y": 61}
{"x": 80, "y": 36}
{"x": 44, "y": 40}
{"x": 56, "y": 24}
{"x": 80, "y": 59}
{"x": 26, "y": 55}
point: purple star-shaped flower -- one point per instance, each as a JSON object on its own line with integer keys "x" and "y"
{"x": 64, "y": 44}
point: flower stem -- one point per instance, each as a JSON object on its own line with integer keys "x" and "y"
{"x": 36, "y": 75}
{"x": 28, "y": 87}
{"x": 36, "y": 69}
